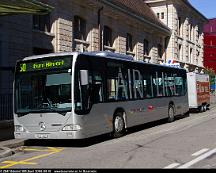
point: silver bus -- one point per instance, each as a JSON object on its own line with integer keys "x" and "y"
{"x": 81, "y": 95}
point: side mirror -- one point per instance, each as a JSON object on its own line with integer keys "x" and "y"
{"x": 84, "y": 77}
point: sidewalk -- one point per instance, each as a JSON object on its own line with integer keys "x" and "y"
{"x": 7, "y": 141}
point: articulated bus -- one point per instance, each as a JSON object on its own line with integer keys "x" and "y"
{"x": 81, "y": 95}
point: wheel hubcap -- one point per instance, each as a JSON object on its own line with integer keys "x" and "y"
{"x": 171, "y": 113}
{"x": 119, "y": 124}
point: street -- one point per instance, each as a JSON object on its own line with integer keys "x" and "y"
{"x": 75, "y": 69}
{"x": 189, "y": 142}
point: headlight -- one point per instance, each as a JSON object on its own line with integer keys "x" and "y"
{"x": 19, "y": 128}
{"x": 71, "y": 127}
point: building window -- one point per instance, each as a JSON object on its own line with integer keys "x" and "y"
{"x": 198, "y": 55}
{"x": 190, "y": 55}
{"x": 160, "y": 54}
{"x": 158, "y": 15}
{"x": 129, "y": 45}
{"x": 41, "y": 22}
{"x": 198, "y": 33}
{"x": 107, "y": 36}
{"x": 180, "y": 52}
{"x": 179, "y": 26}
{"x": 191, "y": 33}
{"x": 146, "y": 47}
{"x": 79, "y": 28}
{"x": 162, "y": 15}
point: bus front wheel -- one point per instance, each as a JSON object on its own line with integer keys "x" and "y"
{"x": 118, "y": 125}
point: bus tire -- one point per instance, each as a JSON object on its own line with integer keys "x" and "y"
{"x": 201, "y": 108}
{"x": 171, "y": 113}
{"x": 204, "y": 108}
{"x": 118, "y": 125}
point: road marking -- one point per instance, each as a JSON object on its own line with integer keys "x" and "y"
{"x": 200, "y": 152}
{"x": 198, "y": 159}
{"x": 34, "y": 149}
{"x": 51, "y": 151}
{"x": 43, "y": 150}
{"x": 20, "y": 162}
{"x": 173, "y": 165}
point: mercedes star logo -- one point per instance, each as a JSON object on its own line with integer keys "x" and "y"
{"x": 42, "y": 126}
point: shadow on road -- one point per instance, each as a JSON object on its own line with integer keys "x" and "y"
{"x": 154, "y": 124}
{"x": 68, "y": 142}
{"x": 196, "y": 111}
{"x": 94, "y": 140}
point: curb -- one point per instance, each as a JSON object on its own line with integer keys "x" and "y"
{"x": 8, "y": 148}
{"x": 14, "y": 143}
{"x": 7, "y": 152}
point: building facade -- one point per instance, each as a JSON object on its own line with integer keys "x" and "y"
{"x": 127, "y": 27}
{"x": 186, "y": 42}
{"x": 210, "y": 44}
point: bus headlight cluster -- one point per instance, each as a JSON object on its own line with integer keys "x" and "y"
{"x": 71, "y": 127}
{"x": 19, "y": 128}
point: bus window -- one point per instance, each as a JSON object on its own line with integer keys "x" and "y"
{"x": 179, "y": 85}
{"x": 111, "y": 89}
{"x": 170, "y": 87}
{"x": 57, "y": 88}
{"x": 92, "y": 93}
{"x": 155, "y": 84}
{"x": 138, "y": 84}
{"x": 97, "y": 88}
{"x": 117, "y": 87}
{"x": 160, "y": 84}
{"x": 147, "y": 86}
{"x": 82, "y": 92}
{"x": 168, "y": 91}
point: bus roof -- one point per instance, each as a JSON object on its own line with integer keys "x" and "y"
{"x": 95, "y": 53}
{"x": 49, "y": 55}
{"x": 103, "y": 54}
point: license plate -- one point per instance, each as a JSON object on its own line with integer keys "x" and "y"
{"x": 41, "y": 136}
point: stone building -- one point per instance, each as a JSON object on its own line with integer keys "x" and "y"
{"x": 127, "y": 27}
{"x": 115, "y": 25}
{"x": 186, "y": 42}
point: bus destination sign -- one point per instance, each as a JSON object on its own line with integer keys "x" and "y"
{"x": 30, "y": 66}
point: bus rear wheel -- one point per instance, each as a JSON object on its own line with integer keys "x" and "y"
{"x": 171, "y": 113}
{"x": 202, "y": 108}
{"x": 118, "y": 125}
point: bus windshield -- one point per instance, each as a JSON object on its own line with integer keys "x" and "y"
{"x": 43, "y": 91}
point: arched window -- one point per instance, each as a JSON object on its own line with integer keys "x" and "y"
{"x": 41, "y": 22}
{"x": 79, "y": 28}
{"x": 160, "y": 53}
{"x": 129, "y": 43}
{"x": 146, "y": 47}
{"x": 107, "y": 36}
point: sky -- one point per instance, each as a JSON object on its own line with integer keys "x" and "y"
{"x": 206, "y": 7}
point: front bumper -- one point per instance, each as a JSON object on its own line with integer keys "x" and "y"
{"x": 50, "y": 135}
